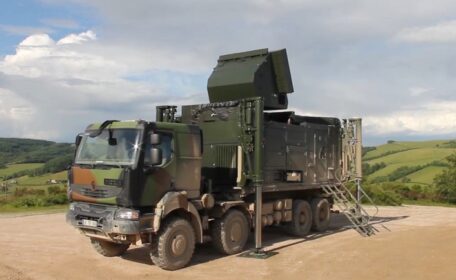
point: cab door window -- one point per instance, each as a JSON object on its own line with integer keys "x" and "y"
{"x": 166, "y": 146}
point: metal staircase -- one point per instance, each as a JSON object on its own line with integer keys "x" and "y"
{"x": 346, "y": 202}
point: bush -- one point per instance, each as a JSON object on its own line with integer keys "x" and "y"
{"x": 37, "y": 198}
{"x": 369, "y": 169}
{"x": 382, "y": 195}
{"x": 446, "y": 181}
{"x": 406, "y": 180}
{"x": 403, "y": 171}
{"x": 414, "y": 192}
{"x": 54, "y": 190}
{"x": 56, "y": 199}
{"x": 29, "y": 201}
{"x": 379, "y": 179}
{"x": 40, "y": 201}
{"x": 450, "y": 144}
{"x": 365, "y": 150}
{"x": 19, "y": 192}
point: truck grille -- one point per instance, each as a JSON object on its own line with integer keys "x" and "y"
{"x": 98, "y": 193}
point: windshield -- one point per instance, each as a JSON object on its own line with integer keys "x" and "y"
{"x": 110, "y": 147}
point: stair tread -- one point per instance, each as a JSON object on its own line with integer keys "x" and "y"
{"x": 353, "y": 210}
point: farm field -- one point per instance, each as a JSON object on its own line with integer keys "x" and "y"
{"x": 42, "y": 179}
{"x": 13, "y": 168}
{"x": 427, "y": 156}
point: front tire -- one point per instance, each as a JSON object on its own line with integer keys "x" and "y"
{"x": 230, "y": 233}
{"x": 301, "y": 218}
{"x": 173, "y": 247}
{"x": 108, "y": 249}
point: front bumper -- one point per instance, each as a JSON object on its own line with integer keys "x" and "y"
{"x": 102, "y": 220}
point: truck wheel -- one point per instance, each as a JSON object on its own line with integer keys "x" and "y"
{"x": 301, "y": 218}
{"x": 173, "y": 247}
{"x": 321, "y": 214}
{"x": 108, "y": 249}
{"x": 230, "y": 233}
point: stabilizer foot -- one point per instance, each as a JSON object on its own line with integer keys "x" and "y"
{"x": 258, "y": 254}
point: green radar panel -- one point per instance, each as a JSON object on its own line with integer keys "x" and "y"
{"x": 257, "y": 73}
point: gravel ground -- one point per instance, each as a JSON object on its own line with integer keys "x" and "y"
{"x": 412, "y": 242}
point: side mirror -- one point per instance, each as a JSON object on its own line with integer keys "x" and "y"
{"x": 155, "y": 139}
{"x": 78, "y": 140}
{"x": 112, "y": 141}
{"x": 154, "y": 156}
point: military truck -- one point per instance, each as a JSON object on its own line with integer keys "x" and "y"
{"x": 223, "y": 169}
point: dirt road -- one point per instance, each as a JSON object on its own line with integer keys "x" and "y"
{"x": 413, "y": 242}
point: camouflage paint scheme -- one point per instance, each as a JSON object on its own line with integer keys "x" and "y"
{"x": 231, "y": 151}
{"x": 241, "y": 144}
{"x": 86, "y": 183}
{"x": 139, "y": 185}
{"x": 286, "y": 143}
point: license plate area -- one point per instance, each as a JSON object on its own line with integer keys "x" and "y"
{"x": 89, "y": 223}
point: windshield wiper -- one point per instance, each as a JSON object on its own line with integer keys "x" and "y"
{"x": 101, "y": 128}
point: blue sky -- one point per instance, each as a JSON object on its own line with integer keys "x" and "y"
{"x": 64, "y": 64}
{"x": 24, "y": 15}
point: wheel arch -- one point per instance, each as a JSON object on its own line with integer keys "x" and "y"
{"x": 176, "y": 203}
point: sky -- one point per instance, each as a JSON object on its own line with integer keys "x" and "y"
{"x": 66, "y": 64}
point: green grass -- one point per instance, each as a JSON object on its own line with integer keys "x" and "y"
{"x": 41, "y": 180}
{"x": 13, "y": 168}
{"x": 36, "y": 187}
{"x": 425, "y": 175}
{"x": 415, "y": 157}
{"x": 400, "y": 154}
{"x": 400, "y": 146}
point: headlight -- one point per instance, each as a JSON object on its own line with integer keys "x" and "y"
{"x": 69, "y": 193}
{"x": 71, "y": 207}
{"x": 127, "y": 214}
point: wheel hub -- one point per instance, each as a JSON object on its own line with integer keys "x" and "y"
{"x": 179, "y": 244}
{"x": 322, "y": 214}
{"x": 236, "y": 232}
{"x": 302, "y": 218}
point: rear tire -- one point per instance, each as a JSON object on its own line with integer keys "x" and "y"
{"x": 321, "y": 214}
{"x": 301, "y": 218}
{"x": 173, "y": 247}
{"x": 230, "y": 233}
{"x": 108, "y": 249}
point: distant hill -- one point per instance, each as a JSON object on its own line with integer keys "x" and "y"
{"x": 19, "y": 157}
{"x": 16, "y": 150}
{"x": 408, "y": 162}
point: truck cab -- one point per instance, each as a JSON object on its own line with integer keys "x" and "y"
{"x": 123, "y": 169}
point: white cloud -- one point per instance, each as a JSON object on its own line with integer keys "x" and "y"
{"x": 418, "y": 91}
{"x": 443, "y": 32}
{"x": 53, "y": 90}
{"x": 37, "y": 40}
{"x": 15, "y": 112}
{"x": 78, "y": 38}
{"x": 341, "y": 55}
{"x": 39, "y": 56}
{"x": 432, "y": 119}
